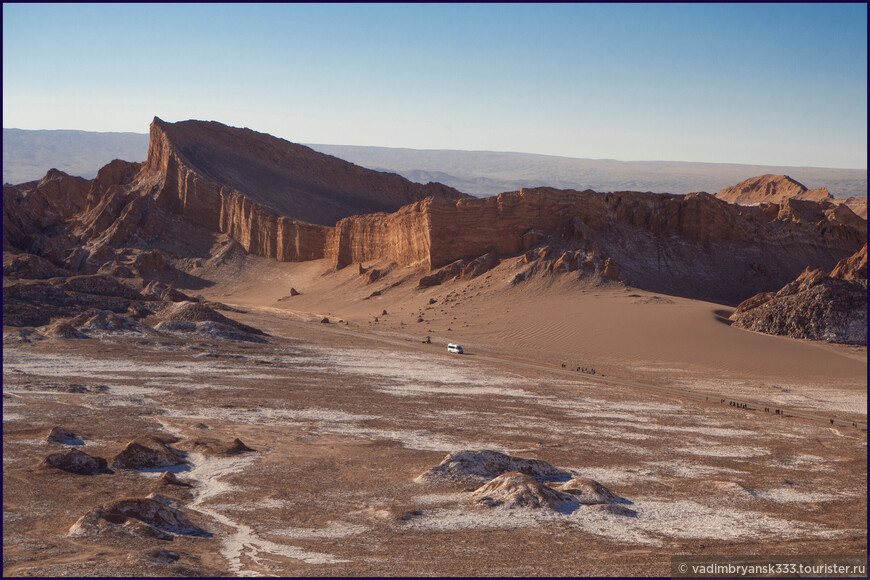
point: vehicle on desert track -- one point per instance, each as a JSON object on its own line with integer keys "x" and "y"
{"x": 454, "y": 348}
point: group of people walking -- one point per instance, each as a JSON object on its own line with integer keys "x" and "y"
{"x": 589, "y": 370}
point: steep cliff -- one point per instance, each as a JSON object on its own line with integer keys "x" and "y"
{"x": 816, "y": 306}
{"x": 694, "y": 245}
{"x": 205, "y": 161}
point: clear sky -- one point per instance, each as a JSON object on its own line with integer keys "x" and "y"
{"x": 775, "y": 84}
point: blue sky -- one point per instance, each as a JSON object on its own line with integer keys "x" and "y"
{"x": 777, "y": 84}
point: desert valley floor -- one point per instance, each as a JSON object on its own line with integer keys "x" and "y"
{"x": 339, "y": 422}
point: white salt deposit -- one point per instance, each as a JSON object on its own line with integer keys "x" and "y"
{"x": 725, "y": 451}
{"x": 331, "y": 530}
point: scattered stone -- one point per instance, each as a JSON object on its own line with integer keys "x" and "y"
{"x": 432, "y": 301}
{"x": 325, "y": 320}
{"x": 294, "y": 292}
{"x": 75, "y": 461}
{"x": 384, "y": 313}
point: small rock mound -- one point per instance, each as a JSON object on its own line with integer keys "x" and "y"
{"x": 208, "y": 329}
{"x": 61, "y": 435}
{"x": 104, "y": 321}
{"x": 478, "y": 466}
{"x": 589, "y": 492}
{"x": 152, "y": 516}
{"x": 294, "y": 292}
{"x": 24, "y": 335}
{"x": 169, "y": 478}
{"x": 148, "y": 452}
{"x": 162, "y": 555}
{"x": 325, "y": 320}
{"x": 196, "y": 312}
{"x": 213, "y": 447}
{"x": 30, "y": 267}
{"x": 75, "y": 461}
{"x": 63, "y": 329}
{"x": 516, "y": 489}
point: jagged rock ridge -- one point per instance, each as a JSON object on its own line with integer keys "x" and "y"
{"x": 817, "y": 306}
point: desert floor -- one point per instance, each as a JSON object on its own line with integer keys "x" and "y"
{"x": 343, "y": 418}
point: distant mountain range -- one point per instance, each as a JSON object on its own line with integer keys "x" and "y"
{"x": 27, "y": 155}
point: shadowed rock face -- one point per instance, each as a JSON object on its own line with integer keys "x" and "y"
{"x": 816, "y": 306}
{"x": 290, "y": 180}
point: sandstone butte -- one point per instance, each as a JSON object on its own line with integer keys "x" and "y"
{"x": 285, "y": 201}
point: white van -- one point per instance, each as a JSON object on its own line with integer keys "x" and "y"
{"x": 454, "y": 348}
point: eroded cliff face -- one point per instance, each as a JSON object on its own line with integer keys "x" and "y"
{"x": 206, "y": 177}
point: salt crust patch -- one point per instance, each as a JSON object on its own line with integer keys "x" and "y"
{"x": 412, "y": 367}
{"x": 436, "y": 389}
{"x": 12, "y": 416}
{"x": 655, "y": 521}
{"x": 684, "y": 469}
{"x": 420, "y": 440}
{"x": 438, "y": 498}
{"x": 55, "y": 365}
{"x": 725, "y": 451}
{"x": 331, "y": 530}
{"x": 244, "y": 542}
{"x": 790, "y": 495}
{"x": 795, "y": 396}
{"x": 260, "y": 416}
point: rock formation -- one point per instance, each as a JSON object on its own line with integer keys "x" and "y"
{"x": 588, "y": 491}
{"x": 64, "y": 436}
{"x": 148, "y": 452}
{"x": 76, "y": 461}
{"x": 771, "y": 189}
{"x": 480, "y": 466}
{"x": 515, "y": 489}
{"x": 153, "y": 516}
{"x": 817, "y": 306}
{"x": 285, "y": 201}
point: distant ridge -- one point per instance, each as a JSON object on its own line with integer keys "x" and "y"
{"x": 28, "y": 155}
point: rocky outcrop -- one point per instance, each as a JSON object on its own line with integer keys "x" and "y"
{"x": 155, "y": 516}
{"x": 78, "y": 462}
{"x": 817, "y": 306}
{"x": 479, "y": 466}
{"x": 771, "y": 189}
{"x": 148, "y": 452}
{"x": 518, "y": 490}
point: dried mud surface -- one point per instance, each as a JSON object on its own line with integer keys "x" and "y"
{"x": 336, "y": 431}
